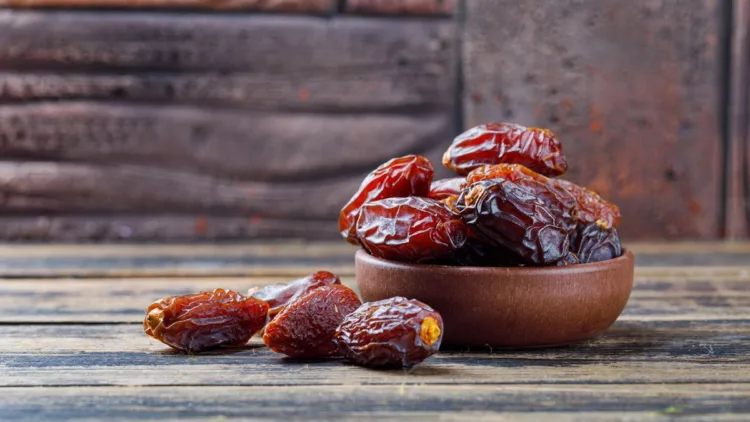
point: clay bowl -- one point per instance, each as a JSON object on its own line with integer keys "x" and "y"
{"x": 507, "y": 307}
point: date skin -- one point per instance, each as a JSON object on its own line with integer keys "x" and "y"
{"x": 592, "y": 208}
{"x": 524, "y": 176}
{"x": 278, "y": 296}
{"x": 395, "y": 332}
{"x": 495, "y": 143}
{"x": 204, "y": 321}
{"x": 305, "y": 328}
{"x": 445, "y": 188}
{"x": 594, "y": 243}
{"x": 519, "y": 219}
{"x": 410, "y": 175}
{"x": 410, "y": 229}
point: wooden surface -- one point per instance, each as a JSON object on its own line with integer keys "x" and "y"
{"x": 738, "y": 153}
{"x": 72, "y": 346}
{"x": 632, "y": 89}
{"x": 299, "y": 6}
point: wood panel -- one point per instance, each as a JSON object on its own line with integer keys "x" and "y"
{"x": 718, "y": 402}
{"x": 299, "y": 6}
{"x": 165, "y": 126}
{"x": 631, "y": 88}
{"x": 738, "y": 155}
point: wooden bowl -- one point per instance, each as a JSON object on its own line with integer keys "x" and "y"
{"x": 507, "y": 307}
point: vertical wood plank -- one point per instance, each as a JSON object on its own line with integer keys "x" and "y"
{"x": 738, "y": 158}
{"x": 631, "y": 88}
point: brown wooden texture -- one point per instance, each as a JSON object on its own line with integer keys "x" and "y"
{"x": 74, "y": 348}
{"x": 631, "y": 88}
{"x": 299, "y": 6}
{"x": 738, "y": 154}
{"x": 157, "y": 126}
{"x": 407, "y": 7}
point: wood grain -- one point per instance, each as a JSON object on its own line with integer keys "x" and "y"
{"x": 625, "y": 85}
{"x": 720, "y": 402}
{"x": 298, "y": 6}
{"x": 738, "y": 154}
{"x": 124, "y": 300}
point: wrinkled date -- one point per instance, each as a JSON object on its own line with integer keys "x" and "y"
{"x": 278, "y": 296}
{"x": 305, "y": 328}
{"x": 399, "y": 177}
{"x": 445, "y": 188}
{"x": 516, "y": 218}
{"x": 570, "y": 258}
{"x": 594, "y": 243}
{"x": 546, "y": 188}
{"x": 203, "y": 321}
{"x": 394, "y": 332}
{"x": 495, "y": 143}
{"x": 410, "y": 229}
{"x": 592, "y": 208}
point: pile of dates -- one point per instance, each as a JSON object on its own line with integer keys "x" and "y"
{"x": 506, "y": 207}
{"x": 312, "y": 317}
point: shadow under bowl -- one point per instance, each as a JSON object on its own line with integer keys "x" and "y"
{"x": 500, "y": 307}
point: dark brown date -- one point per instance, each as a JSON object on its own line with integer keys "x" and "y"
{"x": 278, "y": 296}
{"x": 524, "y": 176}
{"x": 394, "y": 332}
{"x": 410, "y": 229}
{"x": 450, "y": 202}
{"x": 592, "y": 208}
{"x": 204, "y": 321}
{"x": 475, "y": 253}
{"x": 400, "y": 177}
{"x": 528, "y": 220}
{"x": 445, "y": 188}
{"x": 305, "y": 328}
{"x": 594, "y": 243}
{"x": 570, "y": 258}
{"x": 495, "y": 143}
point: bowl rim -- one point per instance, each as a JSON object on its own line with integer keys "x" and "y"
{"x": 626, "y": 257}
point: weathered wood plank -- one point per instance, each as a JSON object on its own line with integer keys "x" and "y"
{"x": 188, "y": 42}
{"x": 125, "y": 300}
{"x": 738, "y": 155}
{"x": 399, "y": 7}
{"x": 674, "y": 341}
{"x": 298, "y": 6}
{"x": 477, "y": 403}
{"x": 625, "y": 85}
{"x": 221, "y": 142}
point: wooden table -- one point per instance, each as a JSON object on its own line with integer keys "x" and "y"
{"x": 72, "y": 345}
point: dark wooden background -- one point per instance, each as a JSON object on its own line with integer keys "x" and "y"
{"x": 236, "y": 119}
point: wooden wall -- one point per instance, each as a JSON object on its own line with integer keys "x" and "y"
{"x": 159, "y": 120}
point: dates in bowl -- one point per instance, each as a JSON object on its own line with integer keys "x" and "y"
{"x": 507, "y": 206}
{"x": 508, "y": 251}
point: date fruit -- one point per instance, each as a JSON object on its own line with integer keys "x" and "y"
{"x": 523, "y": 176}
{"x": 495, "y": 143}
{"x": 394, "y": 332}
{"x": 445, "y": 188}
{"x": 203, "y": 321}
{"x": 595, "y": 243}
{"x": 592, "y": 208}
{"x": 523, "y": 219}
{"x": 410, "y": 229}
{"x": 400, "y": 177}
{"x": 278, "y": 296}
{"x": 305, "y": 328}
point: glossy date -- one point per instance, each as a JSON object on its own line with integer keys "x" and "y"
{"x": 278, "y": 296}
{"x": 592, "y": 208}
{"x": 394, "y": 332}
{"x": 515, "y": 217}
{"x": 410, "y": 229}
{"x": 203, "y": 321}
{"x": 594, "y": 243}
{"x": 495, "y": 143}
{"x": 400, "y": 177}
{"x": 444, "y": 188}
{"x": 305, "y": 328}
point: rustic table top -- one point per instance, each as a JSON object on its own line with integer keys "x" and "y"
{"x": 72, "y": 345}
